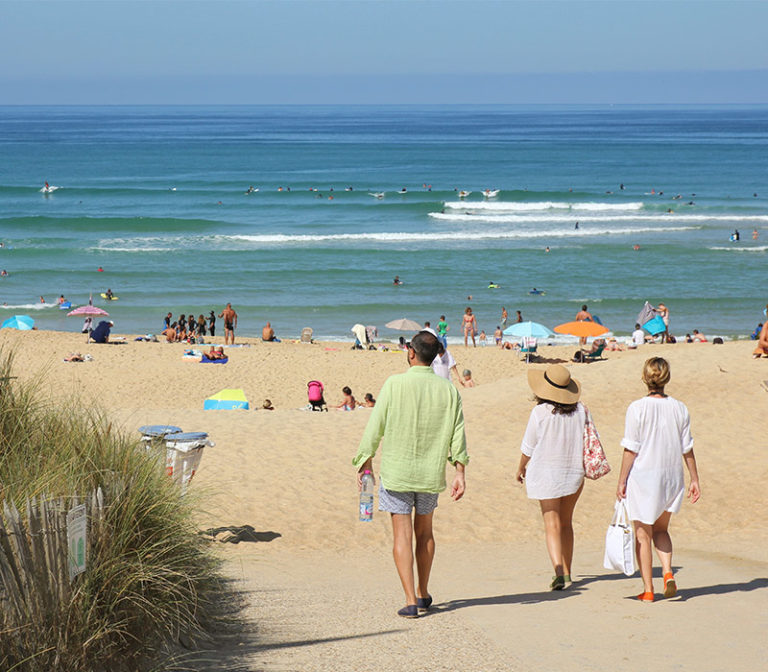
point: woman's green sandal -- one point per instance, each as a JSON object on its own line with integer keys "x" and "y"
{"x": 558, "y": 583}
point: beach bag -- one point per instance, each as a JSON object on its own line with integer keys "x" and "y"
{"x": 595, "y": 461}
{"x": 620, "y": 542}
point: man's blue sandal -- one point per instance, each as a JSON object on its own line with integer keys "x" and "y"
{"x": 411, "y": 611}
{"x": 424, "y": 603}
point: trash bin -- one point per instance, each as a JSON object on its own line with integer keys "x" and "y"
{"x": 184, "y": 450}
{"x": 153, "y": 436}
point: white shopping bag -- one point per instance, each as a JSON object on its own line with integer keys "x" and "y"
{"x": 620, "y": 542}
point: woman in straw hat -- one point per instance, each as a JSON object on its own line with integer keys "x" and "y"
{"x": 552, "y": 463}
{"x": 657, "y": 435}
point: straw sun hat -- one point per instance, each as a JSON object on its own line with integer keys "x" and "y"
{"x": 554, "y": 384}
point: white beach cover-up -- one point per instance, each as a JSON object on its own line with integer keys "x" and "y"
{"x": 555, "y": 444}
{"x": 658, "y": 430}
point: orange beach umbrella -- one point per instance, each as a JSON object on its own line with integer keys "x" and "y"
{"x": 581, "y": 329}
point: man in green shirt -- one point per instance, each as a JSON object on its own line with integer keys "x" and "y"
{"x": 419, "y": 422}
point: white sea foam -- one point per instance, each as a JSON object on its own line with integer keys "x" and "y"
{"x": 735, "y": 248}
{"x": 399, "y": 237}
{"x": 554, "y": 218}
{"x": 30, "y": 306}
{"x": 494, "y": 206}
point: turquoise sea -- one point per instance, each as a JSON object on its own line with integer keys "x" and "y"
{"x": 156, "y": 197}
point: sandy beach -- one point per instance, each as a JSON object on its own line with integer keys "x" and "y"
{"x": 323, "y": 595}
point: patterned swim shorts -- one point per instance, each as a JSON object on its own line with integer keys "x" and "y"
{"x": 404, "y": 502}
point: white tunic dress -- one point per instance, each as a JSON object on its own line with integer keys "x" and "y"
{"x": 658, "y": 430}
{"x": 555, "y": 444}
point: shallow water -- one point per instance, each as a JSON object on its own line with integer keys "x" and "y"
{"x": 156, "y": 197}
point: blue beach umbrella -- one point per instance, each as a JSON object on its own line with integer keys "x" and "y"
{"x": 655, "y": 326}
{"x": 528, "y": 330}
{"x": 20, "y": 322}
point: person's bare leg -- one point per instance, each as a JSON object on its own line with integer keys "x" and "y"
{"x": 663, "y": 542}
{"x": 567, "y": 505}
{"x": 402, "y": 551}
{"x": 550, "y": 511}
{"x": 425, "y": 551}
{"x": 643, "y": 543}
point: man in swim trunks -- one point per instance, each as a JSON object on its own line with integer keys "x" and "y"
{"x": 583, "y": 316}
{"x": 268, "y": 333}
{"x": 230, "y": 324}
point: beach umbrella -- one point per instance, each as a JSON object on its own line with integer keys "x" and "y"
{"x": 20, "y": 322}
{"x": 528, "y": 330}
{"x": 582, "y": 329}
{"x": 226, "y": 400}
{"x": 646, "y": 314}
{"x": 655, "y": 326}
{"x": 85, "y": 311}
{"x": 404, "y": 324}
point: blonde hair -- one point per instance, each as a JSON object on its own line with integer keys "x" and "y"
{"x": 656, "y": 373}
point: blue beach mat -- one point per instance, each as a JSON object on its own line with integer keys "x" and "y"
{"x": 205, "y": 360}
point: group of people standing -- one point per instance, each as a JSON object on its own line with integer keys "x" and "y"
{"x": 419, "y": 422}
{"x": 188, "y": 329}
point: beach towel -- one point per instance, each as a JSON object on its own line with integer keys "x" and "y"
{"x": 205, "y": 360}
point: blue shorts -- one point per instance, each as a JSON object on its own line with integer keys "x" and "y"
{"x": 404, "y": 502}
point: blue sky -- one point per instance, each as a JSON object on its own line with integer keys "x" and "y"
{"x": 374, "y": 51}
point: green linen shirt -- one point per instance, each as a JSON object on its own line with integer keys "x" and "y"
{"x": 420, "y": 423}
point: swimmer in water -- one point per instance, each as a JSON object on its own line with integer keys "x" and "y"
{"x": 755, "y": 234}
{"x": 397, "y": 280}
{"x": 577, "y": 226}
{"x": 635, "y": 247}
{"x": 546, "y": 249}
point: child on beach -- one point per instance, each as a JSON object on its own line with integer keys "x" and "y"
{"x": 467, "y": 375}
{"x": 349, "y": 403}
{"x": 369, "y": 402}
{"x": 482, "y": 338}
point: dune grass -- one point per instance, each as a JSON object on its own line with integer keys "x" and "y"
{"x": 151, "y": 580}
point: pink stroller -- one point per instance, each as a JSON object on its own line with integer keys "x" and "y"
{"x": 315, "y": 395}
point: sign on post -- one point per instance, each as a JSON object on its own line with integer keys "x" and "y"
{"x": 76, "y": 526}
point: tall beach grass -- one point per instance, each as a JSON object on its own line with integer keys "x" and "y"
{"x": 151, "y": 581}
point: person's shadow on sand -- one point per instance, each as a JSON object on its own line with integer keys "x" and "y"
{"x": 684, "y": 594}
{"x": 520, "y": 598}
{"x": 238, "y": 533}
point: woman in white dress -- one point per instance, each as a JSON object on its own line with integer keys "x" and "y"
{"x": 552, "y": 461}
{"x": 657, "y": 439}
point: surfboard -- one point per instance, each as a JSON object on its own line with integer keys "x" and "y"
{"x": 104, "y": 296}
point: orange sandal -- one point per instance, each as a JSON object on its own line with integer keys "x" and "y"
{"x": 670, "y": 587}
{"x": 646, "y": 596}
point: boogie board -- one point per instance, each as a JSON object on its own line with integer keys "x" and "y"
{"x": 65, "y": 306}
{"x": 104, "y": 296}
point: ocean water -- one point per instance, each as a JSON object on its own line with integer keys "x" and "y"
{"x": 156, "y": 197}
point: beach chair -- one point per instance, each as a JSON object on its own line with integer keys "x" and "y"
{"x": 597, "y": 354}
{"x": 528, "y": 347}
{"x": 306, "y": 335}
